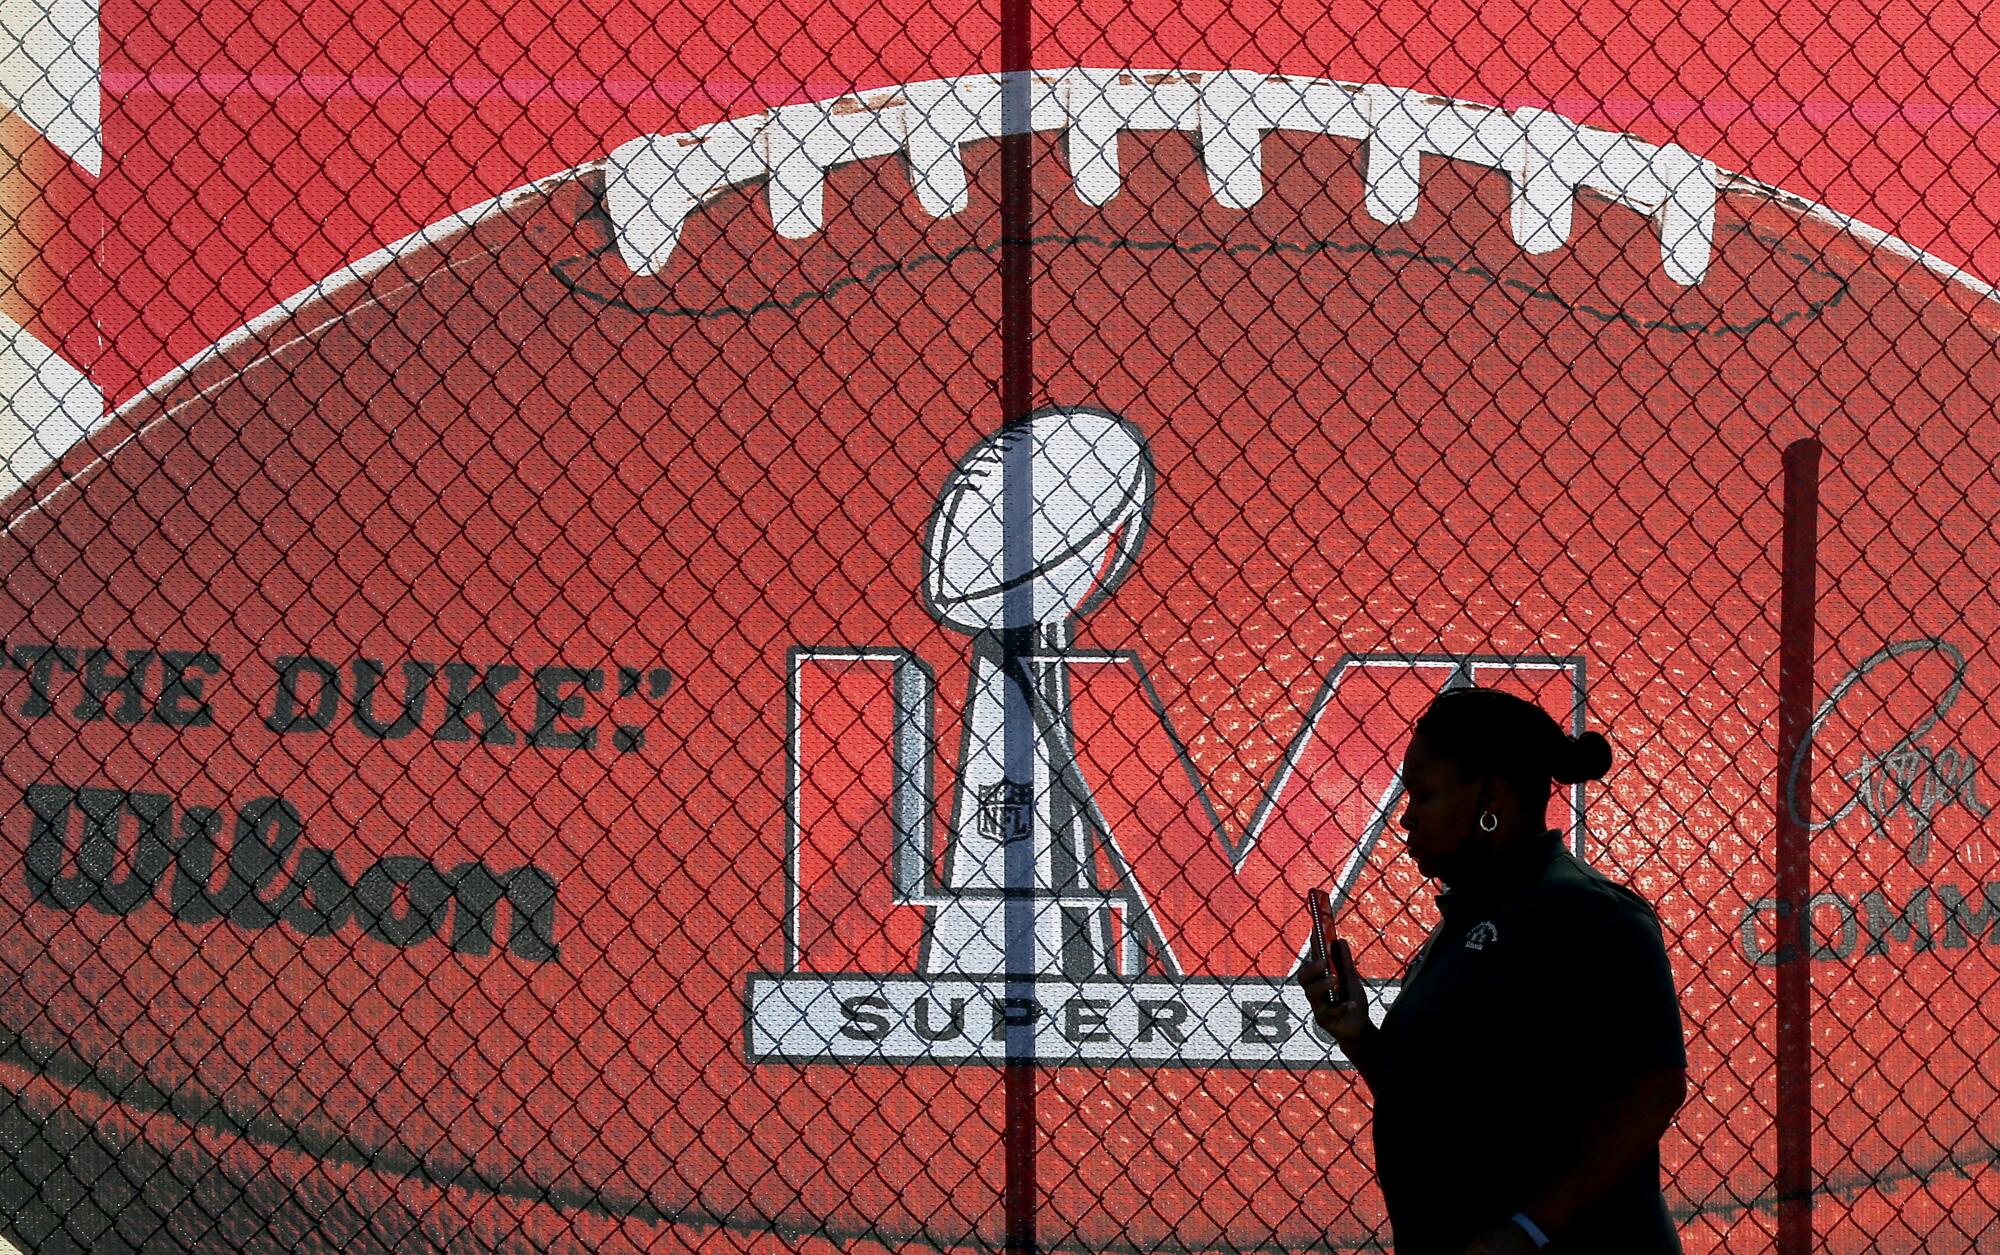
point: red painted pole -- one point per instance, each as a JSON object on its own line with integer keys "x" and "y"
{"x": 1019, "y": 1133}
{"x": 1794, "y": 788}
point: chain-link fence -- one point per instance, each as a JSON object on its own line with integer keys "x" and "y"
{"x": 783, "y": 687}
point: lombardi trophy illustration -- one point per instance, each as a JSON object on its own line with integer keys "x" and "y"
{"x": 1037, "y": 525}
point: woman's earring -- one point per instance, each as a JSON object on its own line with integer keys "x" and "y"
{"x": 1488, "y": 821}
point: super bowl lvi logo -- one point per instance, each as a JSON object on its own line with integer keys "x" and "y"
{"x": 1084, "y": 856}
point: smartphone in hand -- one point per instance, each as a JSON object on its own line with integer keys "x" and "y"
{"x": 1319, "y": 910}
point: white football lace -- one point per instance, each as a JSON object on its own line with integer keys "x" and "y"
{"x": 654, "y": 183}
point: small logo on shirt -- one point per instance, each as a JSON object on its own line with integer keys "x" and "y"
{"x": 1481, "y": 933}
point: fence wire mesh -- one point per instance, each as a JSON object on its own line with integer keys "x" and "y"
{"x": 782, "y": 686}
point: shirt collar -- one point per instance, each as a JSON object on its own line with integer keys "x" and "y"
{"x": 1504, "y": 879}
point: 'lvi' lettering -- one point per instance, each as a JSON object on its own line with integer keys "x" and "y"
{"x": 1208, "y": 877}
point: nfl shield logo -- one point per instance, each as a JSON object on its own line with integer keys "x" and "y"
{"x": 1007, "y": 811}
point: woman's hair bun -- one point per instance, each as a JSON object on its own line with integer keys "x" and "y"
{"x": 1491, "y": 732}
{"x": 1581, "y": 758}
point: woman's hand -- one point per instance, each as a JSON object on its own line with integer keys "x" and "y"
{"x": 1338, "y": 999}
{"x": 1503, "y": 1239}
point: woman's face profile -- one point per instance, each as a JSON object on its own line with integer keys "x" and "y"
{"x": 1440, "y": 816}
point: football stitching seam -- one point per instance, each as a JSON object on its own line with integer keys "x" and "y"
{"x": 564, "y": 270}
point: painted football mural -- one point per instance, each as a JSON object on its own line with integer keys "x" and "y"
{"x": 512, "y": 748}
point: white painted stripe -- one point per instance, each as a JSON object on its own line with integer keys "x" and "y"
{"x": 49, "y": 73}
{"x": 46, "y": 406}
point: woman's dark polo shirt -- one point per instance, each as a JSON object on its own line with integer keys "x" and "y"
{"x": 1540, "y": 992}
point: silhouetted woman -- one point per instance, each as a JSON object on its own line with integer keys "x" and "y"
{"x": 1524, "y": 1075}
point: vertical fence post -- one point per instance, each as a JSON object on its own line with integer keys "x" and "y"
{"x": 1019, "y": 1132}
{"x": 1794, "y": 812}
